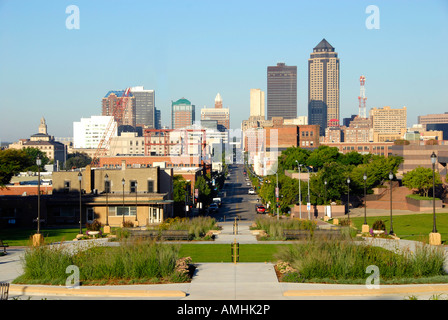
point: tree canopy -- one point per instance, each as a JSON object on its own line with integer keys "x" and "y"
{"x": 422, "y": 179}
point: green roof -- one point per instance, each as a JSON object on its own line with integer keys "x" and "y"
{"x": 182, "y": 101}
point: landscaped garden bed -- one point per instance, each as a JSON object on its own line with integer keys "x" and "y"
{"x": 345, "y": 262}
{"x": 129, "y": 263}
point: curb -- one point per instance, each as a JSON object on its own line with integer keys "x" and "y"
{"x": 367, "y": 292}
{"x": 47, "y": 290}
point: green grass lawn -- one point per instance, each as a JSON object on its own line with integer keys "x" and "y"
{"x": 411, "y": 227}
{"x": 222, "y": 252}
{"x": 21, "y": 237}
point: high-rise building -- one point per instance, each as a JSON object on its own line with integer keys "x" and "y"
{"x": 323, "y": 86}
{"x": 257, "y": 103}
{"x": 388, "y": 124}
{"x": 157, "y": 119}
{"x": 110, "y": 107}
{"x": 88, "y": 132}
{"x": 182, "y": 114}
{"x": 282, "y": 91}
{"x": 144, "y": 107}
{"x": 218, "y": 113}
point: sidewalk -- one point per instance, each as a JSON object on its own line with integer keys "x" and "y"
{"x": 219, "y": 281}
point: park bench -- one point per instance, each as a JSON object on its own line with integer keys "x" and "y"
{"x": 3, "y": 245}
{"x": 4, "y": 290}
{"x": 293, "y": 234}
{"x": 160, "y": 234}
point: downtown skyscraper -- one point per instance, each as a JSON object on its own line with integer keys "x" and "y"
{"x": 282, "y": 91}
{"x": 323, "y": 86}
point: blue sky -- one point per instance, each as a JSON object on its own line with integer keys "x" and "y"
{"x": 195, "y": 49}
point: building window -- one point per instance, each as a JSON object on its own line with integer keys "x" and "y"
{"x": 122, "y": 211}
{"x": 66, "y": 186}
{"x": 133, "y": 186}
{"x": 107, "y": 186}
{"x": 150, "y": 186}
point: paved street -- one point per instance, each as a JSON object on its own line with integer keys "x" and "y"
{"x": 222, "y": 281}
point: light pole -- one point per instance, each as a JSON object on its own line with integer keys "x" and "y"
{"x": 38, "y": 163}
{"x": 348, "y": 199}
{"x": 136, "y": 201}
{"x": 325, "y": 199}
{"x": 122, "y": 182}
{"x": 300, "y": 191}
{"x": 308, "y": 203}
{"x": 433, "y": 161}
{"x": 364, "y": 177}
{"x": 80, "y": 203}
{"x": 277, "y": 192}
{"x": 106, "y": 179}
{"x": 391, "y": 176}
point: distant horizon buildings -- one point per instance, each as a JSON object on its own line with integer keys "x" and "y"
{"x": 323, "y": 86}
{"x": 281, "y": 91}
{"x": 218, "y": 113}
{"x": 112, "y": 106}
{"x": 88, "y": 132}
{"x": 182, "y": 114}
{"x": 257, "y": 104}
{"x": 145, "y": 110}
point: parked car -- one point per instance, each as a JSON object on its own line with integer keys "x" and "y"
{"x": 248, "y": 183}
{"x": 260, "y": 208}
{"x": 251, "y": 191}
{"x": 213, "y": 208}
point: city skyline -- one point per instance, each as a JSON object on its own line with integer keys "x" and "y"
{"x": 61, "y": 74}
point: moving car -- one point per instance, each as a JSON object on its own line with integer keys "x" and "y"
{"x": 260, "y": 208}
{"x": 217, "y": 201}
{"x": 213, "y": 208}
{"x": 251, "y": 191}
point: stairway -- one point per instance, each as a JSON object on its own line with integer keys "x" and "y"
{"x": 398, "y": 200}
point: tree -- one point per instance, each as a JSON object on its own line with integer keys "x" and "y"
{"x": 288, "y": 157}
{"x": 205, "y": 193}
{"x": 13, "y": 161}
{"x": 77, "y": 160}
{"x": 421, "y": 178}
{"x": 322, "y": 155}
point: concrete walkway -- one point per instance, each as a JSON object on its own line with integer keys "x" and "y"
{"x": 219, "y": 281}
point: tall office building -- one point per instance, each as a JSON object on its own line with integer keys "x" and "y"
{"x": 144, "y": 107}
{"x": 282, "y": 91}
{"x": 257, "y": 103}
{"x": 218, "y": 113}
{"x": 182, "y": 114}
{"x": 323, "y": 86}
{"x": 110, "y": 104}
{"x": 88, "y": 132}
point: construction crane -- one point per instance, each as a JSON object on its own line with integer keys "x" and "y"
{"x": 117, "y": 115}
{"x": 362, "y": 98}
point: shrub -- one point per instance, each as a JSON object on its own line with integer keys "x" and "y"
{"x": 379, "y": 225}
{"x": 94, "y": 226}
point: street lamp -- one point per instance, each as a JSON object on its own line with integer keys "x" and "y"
{"x": 80, "y": 203}
{"x": 391, "y": 176}
{"x": 135, "y": 201}
{"x": 122, "y": 182}
{"x": 433, "y": 161}
{"x": 325, "y": 199}
{"x": 364, "y": 177}
{"x": 348, "y": 199}
{"x": 106, "y": 179}
{"x": 38, "y": 163}
{"x": 300, "y": 191}
{"x": 308, "y": 203}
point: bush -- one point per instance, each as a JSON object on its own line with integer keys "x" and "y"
{"x": 94, "y": 226}
{"x": 379, "y": 225}
{"x": 340, "y": 261}
{"x": 132, "y": 261}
